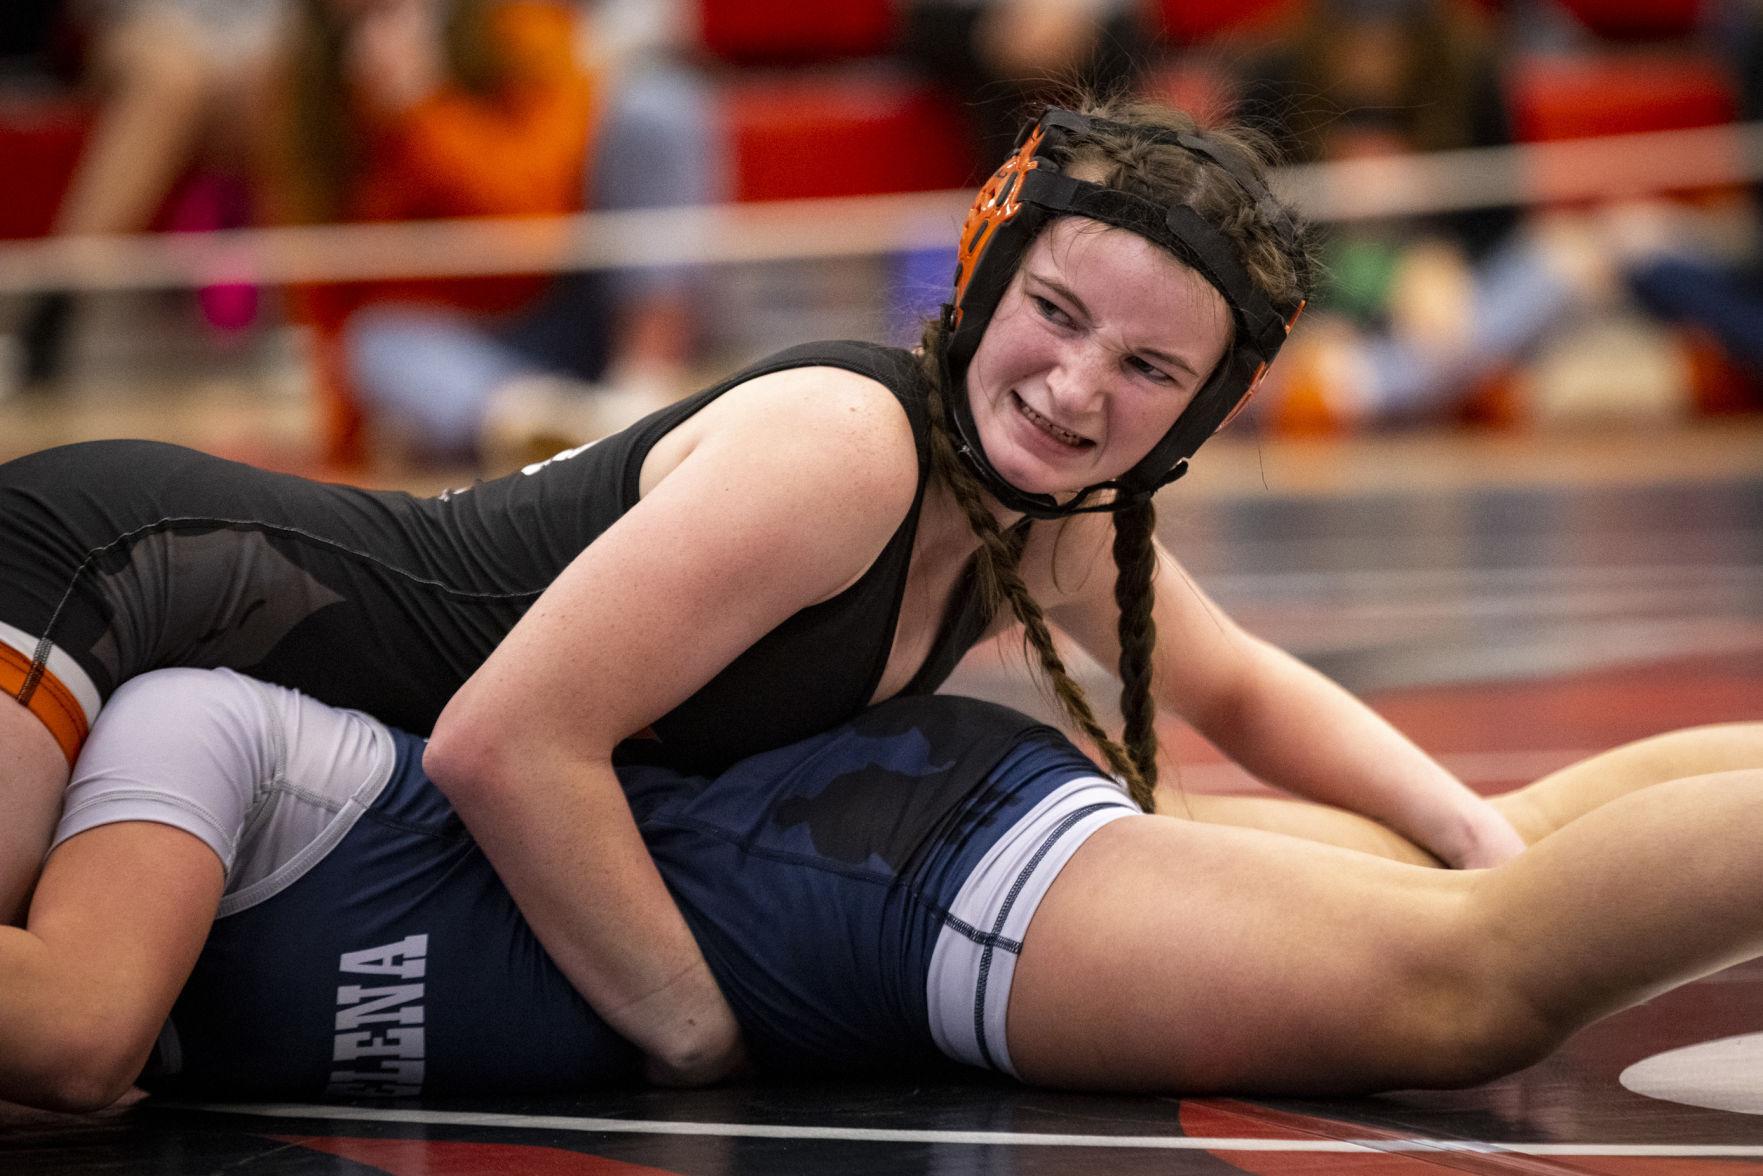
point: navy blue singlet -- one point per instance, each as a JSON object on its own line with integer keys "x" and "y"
{"x": 816, "y": 879}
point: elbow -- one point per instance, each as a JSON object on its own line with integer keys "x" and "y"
{"x": 474, "y": 760}
{"x": 79, "y": 1078}
{"x": 483, "y": 750}
{"x": 462, "y": 756}
{"x": 83, "y": 1095}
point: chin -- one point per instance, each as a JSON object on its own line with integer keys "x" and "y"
{"x": 1038, "y": 480}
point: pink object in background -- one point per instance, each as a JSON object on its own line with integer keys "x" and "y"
{"x": 203, "y": 203}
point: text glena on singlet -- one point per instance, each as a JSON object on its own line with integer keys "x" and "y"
{"x": 380, "y": 1027}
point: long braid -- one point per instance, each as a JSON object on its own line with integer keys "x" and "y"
{"x": 1000, "y": 579}
{"x": 1135, "y": 563}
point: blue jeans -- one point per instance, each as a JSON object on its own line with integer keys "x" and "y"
{"x": 431, "y": 370}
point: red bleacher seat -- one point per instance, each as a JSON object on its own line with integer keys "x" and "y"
{"x": 843, "y": 133}
{"x": 1636, "y": 20}
{"x": 1189, "y": 22}
{"x": 40, "y": 142}
{"x": 1617, "y": 93}
{"x": 1203, "y": 89}
{"x": 792, "y": 30}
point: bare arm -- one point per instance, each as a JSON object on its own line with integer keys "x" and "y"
{"x": 1286, "y": 723}
{"x": 115, "y": 927}
{"x": 781, "y": 506}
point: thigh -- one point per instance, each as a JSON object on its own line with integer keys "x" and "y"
{"x": 1173, "y": 955}
{"x": 1299, "y": 818}
{"x": 1566, "y": 795}
{"x": 33, "y": 775}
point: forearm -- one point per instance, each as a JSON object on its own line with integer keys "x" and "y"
{"x": 116, "y": 924}
{"x": 1297, "y": 730}
{"x": 44, "y": 1017}
{"x": 27, "y": 1016}
{"x": 566, "y": 846}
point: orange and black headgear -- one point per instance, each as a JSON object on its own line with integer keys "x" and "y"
{"x": 1028, "y": 192}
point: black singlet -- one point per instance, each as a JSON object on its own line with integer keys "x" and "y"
{"x": 128, "y": 556}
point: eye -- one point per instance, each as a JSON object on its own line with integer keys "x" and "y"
{"x": 1049, "y": 310}
{"x": 1149, "y": 370}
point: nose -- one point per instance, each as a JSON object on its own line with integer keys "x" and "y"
{"x": 1079, "y": 379}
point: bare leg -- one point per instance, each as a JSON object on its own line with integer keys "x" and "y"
{"x": 33, "y": 777}
{"x": 1535, "y": 810}
{"x": 1301, "y": 818}
{"x": 1545, "y": 806}
{"x": 1176, "y": 955}
{"x": 159, "y": 82}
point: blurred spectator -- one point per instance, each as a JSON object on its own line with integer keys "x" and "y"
{"x": 1411, "y": 315}
{"x": 32, "y": 33}
{"x": 1700, "y": 286}
{"x": 996, "y": 55}
{"x": 401, "y": 109}
{"x": 1425, "y": 74}
{"x": 169, "y": 78}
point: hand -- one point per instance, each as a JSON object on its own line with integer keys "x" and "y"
{"x": 1485, "y": 839}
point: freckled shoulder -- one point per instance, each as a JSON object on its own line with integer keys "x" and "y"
{"x": 832, "y": 424}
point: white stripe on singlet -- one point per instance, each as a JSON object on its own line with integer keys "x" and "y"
{"x": 974, "y": 961}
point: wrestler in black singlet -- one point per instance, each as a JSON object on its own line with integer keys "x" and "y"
{"x": 129, "y": 556}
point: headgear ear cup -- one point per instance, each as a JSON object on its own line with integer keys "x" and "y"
{"x": 1261, "y": 371}
{"x": 1011, "y": 209}
{"x": 997, "y": 204}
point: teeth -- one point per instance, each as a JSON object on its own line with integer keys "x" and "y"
{"x": 1065, "y": 435}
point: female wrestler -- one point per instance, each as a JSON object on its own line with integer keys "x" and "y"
{"x": 937, "y": 878}
{"x": 1124, "y": 282}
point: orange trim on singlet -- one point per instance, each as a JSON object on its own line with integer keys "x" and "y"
{"x": 51, "y": 701}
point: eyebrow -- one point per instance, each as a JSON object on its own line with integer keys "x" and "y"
{"x": 1070, "y": 295}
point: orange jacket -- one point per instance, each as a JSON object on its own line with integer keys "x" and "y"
{"x": 521, "y": 151}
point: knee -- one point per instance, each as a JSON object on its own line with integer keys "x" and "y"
{"x": 1477, "y": 1021}
{"x": 1494, "y": 1035}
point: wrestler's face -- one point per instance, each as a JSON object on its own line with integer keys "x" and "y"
{"x": 1100, "y": 341}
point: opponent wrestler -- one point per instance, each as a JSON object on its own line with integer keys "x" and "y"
{"x": 830, "y": 528}
{"x": 937, "y": 878}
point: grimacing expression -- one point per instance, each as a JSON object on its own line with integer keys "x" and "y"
{"x": 1099, "y": 342}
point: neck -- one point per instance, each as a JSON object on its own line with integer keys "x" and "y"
{"x": 943, "y": 529}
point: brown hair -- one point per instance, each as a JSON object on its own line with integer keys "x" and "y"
{"x": 1441, "y": 53}
{"x": 1127, "y": 158}
{"x": 317, "y": 148}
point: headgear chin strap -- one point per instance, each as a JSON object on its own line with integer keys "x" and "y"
{"x": 1016, "y": 203}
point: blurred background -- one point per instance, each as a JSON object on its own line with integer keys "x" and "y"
{"x": 390, "y": 238}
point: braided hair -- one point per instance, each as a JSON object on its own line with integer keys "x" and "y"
{"x": 1122, "y": 153}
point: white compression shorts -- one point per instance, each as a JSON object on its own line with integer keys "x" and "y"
{"x": 267, "y": 778}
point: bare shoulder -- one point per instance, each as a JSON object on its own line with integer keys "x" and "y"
{"x": 824, "y": 423}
